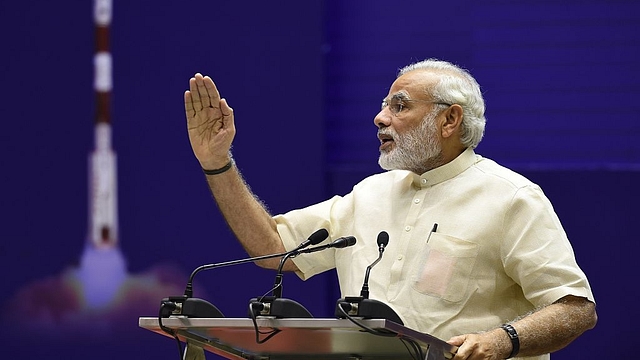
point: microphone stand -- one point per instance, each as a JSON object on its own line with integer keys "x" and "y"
{"x": 279, "y": 307}
{"x": 277, "y": 286}
{"x": 275, "y": 305}
{"x": 363, "y": 307}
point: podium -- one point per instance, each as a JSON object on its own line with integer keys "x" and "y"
{"x": 315, "y": 338}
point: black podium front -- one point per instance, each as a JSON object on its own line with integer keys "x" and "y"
{"x": 300, "y": 338}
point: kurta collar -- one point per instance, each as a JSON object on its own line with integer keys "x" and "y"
{"x": 446, "y": 171}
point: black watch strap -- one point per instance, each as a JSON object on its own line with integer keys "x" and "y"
{"x": 515, "y": 341}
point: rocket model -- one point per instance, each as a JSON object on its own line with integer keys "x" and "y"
{"x": 102, "y": 272}
{"x": 103, "y": 217}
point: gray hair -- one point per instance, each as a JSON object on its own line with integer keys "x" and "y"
{"x": 457, "y": 86}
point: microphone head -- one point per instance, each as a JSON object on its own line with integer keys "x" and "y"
{"x": 383, "y": 239}
{"x": 344, "y": 242}
{"x": 318, "y": 236}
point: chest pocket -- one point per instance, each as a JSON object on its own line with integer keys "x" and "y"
{"x": 444, "y": 267}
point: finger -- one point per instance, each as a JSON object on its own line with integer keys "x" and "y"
{"x": 462, "y": 353}
{"x": 202, "y": 90}
{"x": 213, "y": 95}
{"x": 450, "y": 355}
{"x": 188, "y": 105}
{"x": 456, "y": 340}
{"x": 195, "y": 94}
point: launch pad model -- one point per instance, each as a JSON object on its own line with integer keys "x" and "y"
{"x": 300, "y": 339}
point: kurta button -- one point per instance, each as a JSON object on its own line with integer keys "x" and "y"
{"x": 424, "y": 181}
{"x": 407, "y": 228}
{"x": 399, "y": 257}
{"x": 416, "y": 201}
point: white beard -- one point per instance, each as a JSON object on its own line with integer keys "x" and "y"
{"x": 417, "y": 150}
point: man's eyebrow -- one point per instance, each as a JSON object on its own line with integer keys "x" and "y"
{"x": 400, "y": 96}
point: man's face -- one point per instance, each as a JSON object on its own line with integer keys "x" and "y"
{"x": 407, "y": 125}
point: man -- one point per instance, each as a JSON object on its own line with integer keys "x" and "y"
{"x": 477, "y": 255}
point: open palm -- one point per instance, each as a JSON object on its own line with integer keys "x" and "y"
{"x": 209, "y": 121}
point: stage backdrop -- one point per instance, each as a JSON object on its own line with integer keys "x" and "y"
{"x": 305, "y": 79}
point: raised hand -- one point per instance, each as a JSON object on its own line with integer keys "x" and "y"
{"x": 209, "y": 122}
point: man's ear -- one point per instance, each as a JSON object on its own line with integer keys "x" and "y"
{"x": 452, "y": 120}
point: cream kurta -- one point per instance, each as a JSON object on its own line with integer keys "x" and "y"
{"x": 499, "y": 250}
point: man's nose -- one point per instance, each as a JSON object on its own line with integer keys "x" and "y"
{"x": 383, "y": 119}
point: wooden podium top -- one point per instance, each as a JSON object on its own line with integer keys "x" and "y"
{"x": 235, "y": 338}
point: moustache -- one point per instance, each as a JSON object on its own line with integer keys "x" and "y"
{"x": 387, "y": 132}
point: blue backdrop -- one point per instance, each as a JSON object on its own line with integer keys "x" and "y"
{"x": 305, "y": 79}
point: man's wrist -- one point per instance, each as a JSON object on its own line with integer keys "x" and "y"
{"x": 219, "y": 170}
{"x": 217, "y": 165}
{"x": 214, "y": 161}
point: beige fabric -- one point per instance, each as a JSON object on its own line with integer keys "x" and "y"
{"x": 499, "y": 250}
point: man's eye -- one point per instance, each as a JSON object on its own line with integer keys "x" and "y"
{"x": 397, "y": 107}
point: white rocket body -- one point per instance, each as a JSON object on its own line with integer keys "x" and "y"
{"x": 103, "y": 191}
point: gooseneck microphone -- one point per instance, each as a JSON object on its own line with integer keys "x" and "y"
{"x": 383, "y": 241}
{"x": 279, "y": 307}
{"x": 315, "y": 239}
{"x": 363, "y": 307}
{"x": 339, "y": 243}
{"x": 187, "y": 305}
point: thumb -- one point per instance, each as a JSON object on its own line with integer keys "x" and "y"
{"x": 457, "y": 340}
{"x": 225, "y": 108}
{"x": 227, "y": 116}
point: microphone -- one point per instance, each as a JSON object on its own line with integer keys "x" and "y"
{"x": 188, "y": 306}
{"x": 315, "y": 238}
{"x": 383, "y": 241}
{"x": 285, "y": 308}
{"x": 339, "y": 243}
{"x": 362, "y": 306}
